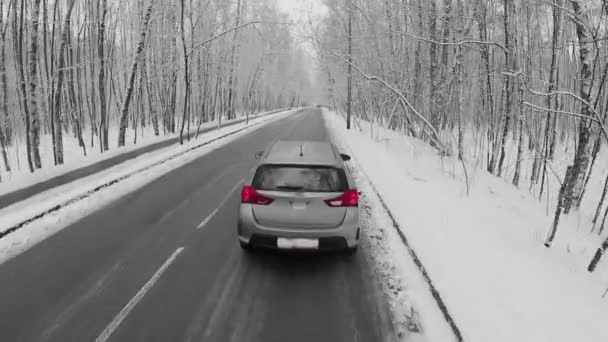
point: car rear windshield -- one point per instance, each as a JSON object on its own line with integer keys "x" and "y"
{"x": 300, "y": 178}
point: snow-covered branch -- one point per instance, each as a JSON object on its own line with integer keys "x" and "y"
{"x": 595, "y": 118}
{"x": 458, "y": 43}
{"x": 576, "y": 115}
{"x": 219, "y": 35}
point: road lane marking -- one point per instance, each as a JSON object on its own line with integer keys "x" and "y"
{"x": 210, "y": 216}
{"x": 109, "y": 330}
{"x": 205, "y": 221}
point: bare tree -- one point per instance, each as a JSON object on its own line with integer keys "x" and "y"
{"x": 129, "y": 92}
{"x": 231, "y": 75}
{"x": 186, "y": 76}
{"x": 103, "y": 112}
{"x": 511, "y": 66}
{"x": 4, "y": 121}
{"x": 33, "y": 77}
{"x": 349, "y": 90}
{"x": 58, "y": 141}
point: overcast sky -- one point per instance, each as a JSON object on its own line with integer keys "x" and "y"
{"x": 299, "y": 9}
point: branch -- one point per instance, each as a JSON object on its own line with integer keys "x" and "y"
{"x": 595, "y": 118}
{"x": 561, "y": 92}
{"x": 576, "y": 115}
{"x": 434, "y": 136}
{"x": 458, "y": 43}
{"x": 219, "y": 35}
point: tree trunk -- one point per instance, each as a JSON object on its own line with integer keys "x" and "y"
{"x": 598, "y": 210}
{"x": 350, "y": 68}
{"x": 486, "y": 88}
{"x": 74, "y": 97}
{"x": 434, "y": 72}
{"x": 598, "y": 256}
{"x": 231, "y": 77}
{"x": 511, "y": 66}
{"x": 138, "y": 52}
{"x": 186, "y": 76}
{"x": 103, "y": 111}
{"x": 417, "y": 63}
{"x": 4, "y": 121}
{"x": 442, "y": 84}
{"x": 582, "y": 155}
{"x": 558, "y": 208}
{"x": 520, "y": 140}
{"x": 58, "y": 141}
{"x": 19, "y": 61}
{"x": 33, "y": 79}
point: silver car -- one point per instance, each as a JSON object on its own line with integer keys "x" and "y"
{"x": 300, "y": 197}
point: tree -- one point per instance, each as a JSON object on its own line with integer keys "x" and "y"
{"x": 101, "y": 82}
{"x": 129, "y": 92}
{"x": 4, "y": 121}
{"x": 349, "y": 90}
{"x": 231, "y": 91}
{"x": 509, "y": 84}
{"x": 33, "y": 78}
{"x": 186, "y": 76}
{"x": 58, "y": 141}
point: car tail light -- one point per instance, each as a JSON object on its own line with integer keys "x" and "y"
{"x": 251, "y": 196}
{"x": 348, "y": 199}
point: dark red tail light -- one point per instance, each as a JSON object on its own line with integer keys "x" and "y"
{"x": 350, "y": 198}
{"x": 251, "y": 196}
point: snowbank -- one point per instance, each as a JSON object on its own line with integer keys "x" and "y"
{"x": 484, "y": 252}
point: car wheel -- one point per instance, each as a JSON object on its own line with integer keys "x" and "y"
{"x": 245, "y": 246}
{"x": 352, "y": 250}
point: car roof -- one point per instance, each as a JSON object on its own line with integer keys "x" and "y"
{"x": 302, "y": 152}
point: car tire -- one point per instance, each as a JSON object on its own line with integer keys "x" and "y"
{"x": 245, "y": 246}
{"x": 352, "y": 250}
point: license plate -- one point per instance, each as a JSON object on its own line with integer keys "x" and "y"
{"x": 285, "y": 243}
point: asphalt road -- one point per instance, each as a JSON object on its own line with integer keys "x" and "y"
{"x": 140, "y": 269}
{"x": 21, "y": 194}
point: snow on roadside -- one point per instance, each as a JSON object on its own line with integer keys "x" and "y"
{"x": 20, "y": 177}
{"x": 415, "y": 315}
{"x": 410, "y": 301}
{"x": 484, "y": 252}
{"x": 24, "y": 238}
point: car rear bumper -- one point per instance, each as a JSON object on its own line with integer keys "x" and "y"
{"x": 325, "y": 243}
{"x": 346, "y": 235}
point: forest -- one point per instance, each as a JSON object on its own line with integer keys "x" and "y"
{"x": 98, "y": 74}
{"x": 513, "y": 87}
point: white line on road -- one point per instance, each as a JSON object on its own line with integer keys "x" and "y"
{"x": 204, "y": 223}
{"x": 107, "y": 332}
{"x": 210, "y": 216}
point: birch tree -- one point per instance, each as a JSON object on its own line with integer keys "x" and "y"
{"x": 33, "y": 79}
{"x": 58, "y": 141}
{"x": 136, "y": 57}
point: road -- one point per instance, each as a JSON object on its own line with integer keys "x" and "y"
{"x": 163, "y": 264}
{"x": 29, "y": 191}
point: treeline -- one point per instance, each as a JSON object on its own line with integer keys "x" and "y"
{"x": 83, "y": 71}
{"x": 493, "y": 80}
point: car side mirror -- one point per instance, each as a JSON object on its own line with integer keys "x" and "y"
{"x": 258, "y": 155}
{"x": 345, "y": 157}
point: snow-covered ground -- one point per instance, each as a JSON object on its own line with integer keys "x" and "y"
{"x": 74, "y": 158}
{"x": 484, "y": 252}
{"x": 148, "y": 167}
